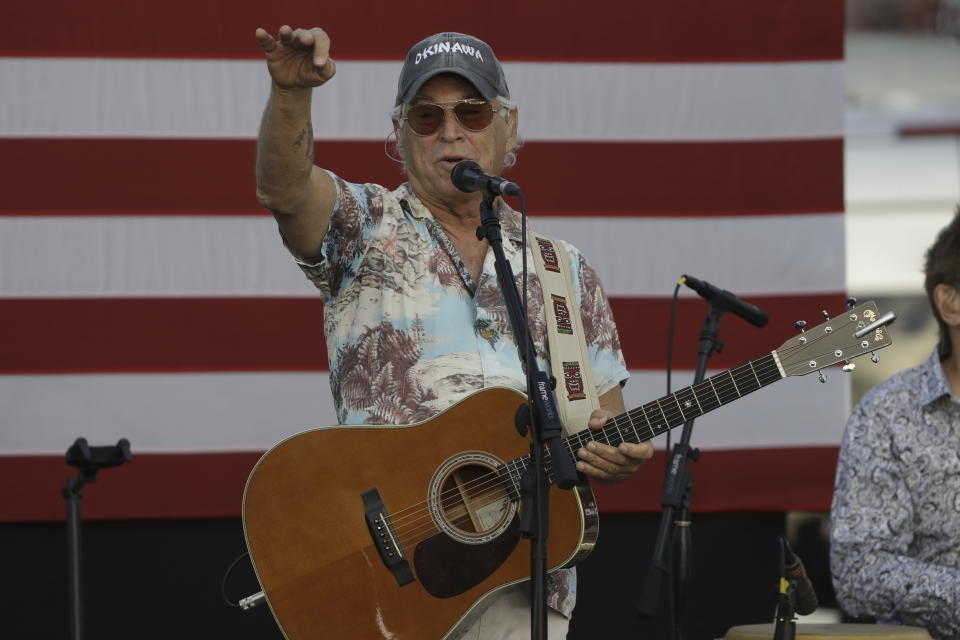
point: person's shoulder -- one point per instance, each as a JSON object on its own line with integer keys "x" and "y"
{"x": 360, "y": 189}
{"x": 577, "y": 257}
{"x": 899, "y": 390}
{"x": 367, "y": 199}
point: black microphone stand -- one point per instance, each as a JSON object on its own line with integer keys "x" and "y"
{"x": 786, "y": 617}
{"x": 541, "y": 414}
{"x": 89, "y": 460}
{"x": 674, "y": 529}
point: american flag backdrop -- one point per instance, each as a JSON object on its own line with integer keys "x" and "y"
{"x": 144, "y": 294}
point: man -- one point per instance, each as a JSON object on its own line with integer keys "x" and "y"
{"x": 414, "y": 318}
{"x": 895, "y": 535}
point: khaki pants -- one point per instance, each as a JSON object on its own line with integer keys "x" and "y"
{"x": 508, "y": 618}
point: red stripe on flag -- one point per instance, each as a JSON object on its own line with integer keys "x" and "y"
{"x": 216, "y": 177}
{"x": 99, "y": 335}
{"x": 211, "y": 485}
{"x": 735, "y": 480}
{"x": 616, "y": 30}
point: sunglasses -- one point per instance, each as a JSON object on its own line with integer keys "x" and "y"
{"x": 473, "y": 114}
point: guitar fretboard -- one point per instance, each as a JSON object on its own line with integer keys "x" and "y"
{"x": 661, "y": 415}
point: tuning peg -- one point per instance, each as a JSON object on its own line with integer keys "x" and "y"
{"x": 823, "y": 378}
{"x": 799, "y": 325}
{"x": 851, "y": 302}
{"x": 874, "y": 357}
{"x": 826, "y": 315}
{"x": 848, "y": 367}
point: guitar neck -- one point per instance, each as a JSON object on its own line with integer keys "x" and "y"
{"x": 672, "y": 410}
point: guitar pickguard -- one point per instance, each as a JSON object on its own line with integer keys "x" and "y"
{"x": 447, "y": 568}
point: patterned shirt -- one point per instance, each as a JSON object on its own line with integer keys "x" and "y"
{"x": 409, "y": 333}
{"x": 895, "y": 529}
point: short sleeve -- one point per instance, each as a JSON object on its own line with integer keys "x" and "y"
{"x": 357, "y": 211}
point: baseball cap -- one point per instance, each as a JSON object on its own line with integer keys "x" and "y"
{"x": 451, "y": 52}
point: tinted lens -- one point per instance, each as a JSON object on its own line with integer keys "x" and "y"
{"x": 425, "y": 118}
{"x": 475, "y": 116}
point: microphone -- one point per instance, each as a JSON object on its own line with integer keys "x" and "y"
{"x": 468, "y": 176}
{"x": 794, "y": 572}
{"x": 724, "y": 300}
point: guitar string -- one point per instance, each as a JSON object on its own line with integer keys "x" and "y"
{"x": 489, "y": 481}
{"x": 496, "y": 480}
{"x": 430, "y": 526}
{"x": 770, "y": 375}
{"x": 765, "y": 372}
{"x": 445, "y": 504}
{"x": 617, "y": 422}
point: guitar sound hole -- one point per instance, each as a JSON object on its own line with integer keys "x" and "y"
{"x": 473, "y": 502}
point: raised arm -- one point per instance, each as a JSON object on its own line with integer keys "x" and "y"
{"x": 299, "y": 194}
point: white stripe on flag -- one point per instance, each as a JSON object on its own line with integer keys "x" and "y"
{"x": 242, "y": 255}
{"x": 253, "y": 411}
{"x": 97, "y": 97}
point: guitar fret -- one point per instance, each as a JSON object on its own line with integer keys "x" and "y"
{"x": 703, "y": 404}
{"x": 754, "y": 371}
{"x": 620, "y": 433}
{"x": 745, "y": 376}
{"x": 646, "y": 419}
{"x": 603, "y": 432}
{"x": 693, "y": 392}
{"x": 710, "y": 380}
{"x": 666, "y": 420}
{"x": 686, "y": 395}
{"x": 632, "y": 427}
{"x": 649, "y": 427}
{"x": 730, "y": 373}
{"x": 675, "y": 399}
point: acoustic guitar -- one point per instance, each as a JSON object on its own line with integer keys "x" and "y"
{"x": 403, "y": 532}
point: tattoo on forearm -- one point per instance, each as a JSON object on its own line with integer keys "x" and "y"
{"x": 305, "y": 139}
{"x": 310, "y": 142}
{"x": 300, "y": 138}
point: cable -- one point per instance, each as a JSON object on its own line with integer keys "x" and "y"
{"x": 670, "y": 331}
{"x": 226, "y": 575}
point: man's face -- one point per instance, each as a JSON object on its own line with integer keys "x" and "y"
{"x": 429, "y": 159}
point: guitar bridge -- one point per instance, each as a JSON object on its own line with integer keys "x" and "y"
{"x": 385, "y": 537}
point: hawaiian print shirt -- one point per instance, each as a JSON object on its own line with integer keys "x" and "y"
{"x": 895, "y": 529}
{"x": 409, "y": 333}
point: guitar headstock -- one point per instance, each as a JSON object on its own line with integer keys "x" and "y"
{"x": 858, "y": 331}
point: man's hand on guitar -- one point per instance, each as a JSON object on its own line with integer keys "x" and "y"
{"x": 611, "y": 465}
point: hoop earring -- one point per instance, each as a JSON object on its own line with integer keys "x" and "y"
{"x": 386, "y": 147}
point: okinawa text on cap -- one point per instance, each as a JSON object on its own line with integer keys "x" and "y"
{"x": 452, "y": 53}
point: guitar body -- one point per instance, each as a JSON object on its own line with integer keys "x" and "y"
{"x": 311, "y": 524}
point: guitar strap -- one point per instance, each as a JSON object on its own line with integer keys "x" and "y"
{"x": 569, "y": 358}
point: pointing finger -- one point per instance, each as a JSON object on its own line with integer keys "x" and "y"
{"x": 265, "y": 40}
